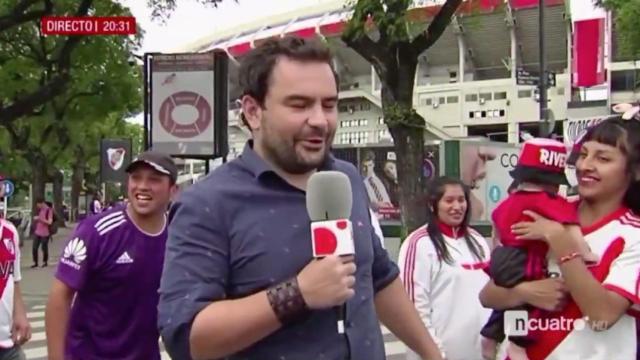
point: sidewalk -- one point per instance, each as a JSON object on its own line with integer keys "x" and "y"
{"x": 36, "y": 282}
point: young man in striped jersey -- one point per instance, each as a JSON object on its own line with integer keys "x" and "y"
{"x": 14, "y": 326}
{"x": 112, "y": 265}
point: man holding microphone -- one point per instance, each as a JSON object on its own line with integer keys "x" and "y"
{"x": 239, "y": 279}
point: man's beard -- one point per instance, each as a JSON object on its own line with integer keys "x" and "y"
{"x": 283, "y": 154}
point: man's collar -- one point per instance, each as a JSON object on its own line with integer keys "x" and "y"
{"x": 258, "y": 166}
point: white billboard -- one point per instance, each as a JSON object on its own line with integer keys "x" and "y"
{"x": 182, "y": 104}
{"x": 574, "y": 129}
{"x": 485, "y": 167}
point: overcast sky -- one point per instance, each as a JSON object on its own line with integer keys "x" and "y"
{"x": 192, "y": 21}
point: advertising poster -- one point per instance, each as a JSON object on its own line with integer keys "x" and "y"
{"x": 575, "y": 128}
{"x": 182, "y": 100}
{"x": 380, "y": 176}
{"x": 484, "y": 167}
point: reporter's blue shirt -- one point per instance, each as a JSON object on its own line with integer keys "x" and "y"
{"x": 242, "y": 229}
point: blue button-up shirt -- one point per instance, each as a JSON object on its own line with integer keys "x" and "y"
{"x": 243, "y": 229}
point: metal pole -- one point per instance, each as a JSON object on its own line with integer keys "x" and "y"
{"x": 146, "y": 90}
{"x": 542, "y": 86}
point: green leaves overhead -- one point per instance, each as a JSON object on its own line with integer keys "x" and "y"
{"x": 626, "y": 14}
{"x": 103, "y": 86}
{"x": 388, "y": 17}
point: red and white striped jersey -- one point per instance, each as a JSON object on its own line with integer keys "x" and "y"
{"x": 9, "y": 274}
{"x": 446, "y": 295}
{"x": 616, "y": 240}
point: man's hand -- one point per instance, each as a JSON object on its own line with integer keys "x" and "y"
{"x": 548, "y": 294}
{"x": 21, "y": 330}
{"x": 328, "y": 282}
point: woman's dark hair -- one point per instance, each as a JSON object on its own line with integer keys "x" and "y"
{"x": 436, "y": 190}
{"x": 624, "y": 135}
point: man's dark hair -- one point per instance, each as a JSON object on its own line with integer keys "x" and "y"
{"x": 257, "y": 66}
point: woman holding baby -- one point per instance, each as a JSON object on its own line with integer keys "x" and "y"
{"x": 604, "y": 295}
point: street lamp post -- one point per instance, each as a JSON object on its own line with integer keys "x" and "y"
{"x": 545, "y": 131}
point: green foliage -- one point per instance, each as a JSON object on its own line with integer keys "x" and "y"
{"x": 104, "y": 89}
{"x": 626, "y": 15}
{"x": 396, "y": 115}
{"x": 388, "y": 16}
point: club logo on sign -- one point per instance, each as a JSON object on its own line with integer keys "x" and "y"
{"x": 116, "y": 157}
{"x": 178, "y": 126}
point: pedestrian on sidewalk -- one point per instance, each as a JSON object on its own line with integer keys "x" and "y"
{"x": 15, "y": 329}
{"x": 42, "y": 232}
{"x": 112, "y": 265}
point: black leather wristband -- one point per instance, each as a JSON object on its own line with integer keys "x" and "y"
{"x": 287, "y": 302}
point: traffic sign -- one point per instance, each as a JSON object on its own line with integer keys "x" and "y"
{"x": 532, "y": 78}
{"x": 9, "y": 188}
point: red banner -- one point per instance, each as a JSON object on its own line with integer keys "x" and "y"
{"x": 588, "y": 52}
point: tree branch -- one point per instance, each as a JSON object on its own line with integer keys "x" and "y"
{"x": 13, "y": 134}
{"x": 369, "y": 50}
{"x": 436, "y": 28}
{"x": 18, "y": 16}
{"x": 59, "y": 112}
{"x": 25, "y": 105}
{"x": 63, "y": 143}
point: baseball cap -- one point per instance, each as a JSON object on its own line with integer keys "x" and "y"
{"x": 160, "y": 162}
{"x": 541, "y": 160}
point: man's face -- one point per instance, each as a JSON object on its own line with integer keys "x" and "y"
{"x": 475, "y": 164}
{"x": 369, "y": 167}
{"x": 390, "y": 170}
{"x": 149, "y": 191}
{"x": 295, "y": 128}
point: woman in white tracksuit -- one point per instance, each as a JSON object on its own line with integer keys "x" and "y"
{"x": 442, "y": 265}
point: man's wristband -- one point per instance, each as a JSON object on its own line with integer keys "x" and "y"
{"x": 287, "y": 301}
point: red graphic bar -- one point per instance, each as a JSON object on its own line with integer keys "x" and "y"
{"x": 88, "y": 25}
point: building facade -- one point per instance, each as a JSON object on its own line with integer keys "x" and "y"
{"x": 466, "y": 84}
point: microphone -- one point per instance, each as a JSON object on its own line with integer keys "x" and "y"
{"x": 329, "y": 202}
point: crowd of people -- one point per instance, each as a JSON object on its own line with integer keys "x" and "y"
{"x": 228, "y": 271}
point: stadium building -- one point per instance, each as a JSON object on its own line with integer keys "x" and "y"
{"x": 467, "y": 83}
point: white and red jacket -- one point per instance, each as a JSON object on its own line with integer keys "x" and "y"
{"x": 616, "y": 240}
{"x": 447, "y": 295}
{"x": 9, "y": 274}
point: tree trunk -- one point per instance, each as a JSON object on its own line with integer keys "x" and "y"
{"x": 409, "y": 147}
{"x": 407, "y": 130}
{"x": 76, "y": 184}
{"x": 38, "y": 181}
{"x": 58, "y": 195}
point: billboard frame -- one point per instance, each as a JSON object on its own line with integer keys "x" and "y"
{"x": 220, "y": 105}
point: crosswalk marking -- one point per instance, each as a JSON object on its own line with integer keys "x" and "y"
{"x": 394, "y": 348}
{"x": 39, "y": 352}
{"x": 35, "y": 315}
{"x": 36, "y": 348}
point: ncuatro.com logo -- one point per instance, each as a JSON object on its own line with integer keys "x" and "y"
{"x": 518, "y": 323}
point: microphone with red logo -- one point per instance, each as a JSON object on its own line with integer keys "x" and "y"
{"x": 329, "y": 202}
